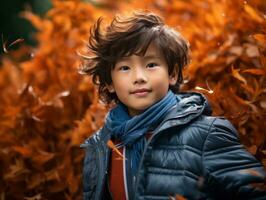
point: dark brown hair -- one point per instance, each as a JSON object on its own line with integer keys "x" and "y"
{"x": 127, "y": 35}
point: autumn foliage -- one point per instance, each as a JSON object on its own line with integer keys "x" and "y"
{"x": 47, "y": 108}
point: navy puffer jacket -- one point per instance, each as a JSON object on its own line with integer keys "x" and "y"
{"x": 190, "y": 153}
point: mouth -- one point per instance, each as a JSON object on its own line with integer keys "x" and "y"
{"x": 141, "y": 92}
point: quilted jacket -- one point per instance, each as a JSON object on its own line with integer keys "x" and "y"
{"x": 190, "y": 153}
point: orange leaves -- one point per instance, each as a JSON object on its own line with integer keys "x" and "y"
{"x": 260, "y": 38}
{"x": 91, "y": 122}
{"x": 232, "y": 59}
{"x": 35, "y": 20}
{"x": 16, "y": 170}
{"x": 42, "y": 157}
{"x": 42, "y": 105}
{"x": 235, "y": 73}
{"x": 25, "y": 152}
{"x": 255, "y": 15}
{"x": 48, "y": 109}
{"x": 255, "y": 71}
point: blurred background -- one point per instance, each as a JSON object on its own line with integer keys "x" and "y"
{"x": 48, "y": 109}
{"x": 13, "y": 26}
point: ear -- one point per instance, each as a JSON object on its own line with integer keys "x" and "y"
{"x": 173, "y": 78}
{"x": 110, "y": 88}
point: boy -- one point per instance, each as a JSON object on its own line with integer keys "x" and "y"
{"x": 170, "y": 145}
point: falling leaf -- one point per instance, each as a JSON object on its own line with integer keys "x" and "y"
{"x": 236, "y": 74}
{"x": 203, "y": 89}
{"x": 210, "y": 91}
{"x": 111, "y": 145}
{"x": 179, "y": 197}
{"x": 16, "y": 42}
{"x": 6, "y": 46}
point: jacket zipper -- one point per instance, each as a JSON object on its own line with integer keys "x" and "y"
{"x": 136, "y": 177}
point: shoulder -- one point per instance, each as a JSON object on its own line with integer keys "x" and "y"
{"x": 214, "y": 124}
{"x": 223, "y": 124}
{"x": 216, "y": 131}
{"x": 209, "y": 132}
{"x": 196, "y": 132}
{"x": 209, "y": 124}
{"x": 101, "y": 135}
{"x": 221, "y": 134}
{"x": 93, "y": 138}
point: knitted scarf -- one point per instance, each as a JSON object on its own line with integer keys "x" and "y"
{"x": 131, "y": 130}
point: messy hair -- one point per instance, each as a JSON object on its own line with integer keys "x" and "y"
{"x": 128, "y": 35}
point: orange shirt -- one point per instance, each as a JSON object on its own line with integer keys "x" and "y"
{"x": 117, "y": 186}
{"x": 116, "y": 178}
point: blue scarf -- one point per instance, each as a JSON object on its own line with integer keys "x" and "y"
{"x": 131, "y": 130}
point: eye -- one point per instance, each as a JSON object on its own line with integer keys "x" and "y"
{"x": 151, "y": 65}
{"x": 123, "y": 68}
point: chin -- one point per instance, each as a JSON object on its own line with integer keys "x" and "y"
{"x": 142, "y": 108}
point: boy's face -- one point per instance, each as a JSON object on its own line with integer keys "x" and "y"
{"x": 141, "y": 81}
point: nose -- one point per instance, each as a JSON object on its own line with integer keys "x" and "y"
{"x": 139, "y": 76}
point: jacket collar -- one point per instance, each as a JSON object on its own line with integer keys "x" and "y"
{"x": 190, "y": 106}
{"x": 190, "y": 102}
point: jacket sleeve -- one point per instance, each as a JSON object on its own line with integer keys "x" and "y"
{"x": 230, "y": 171}
{"x": 89, "y": 173}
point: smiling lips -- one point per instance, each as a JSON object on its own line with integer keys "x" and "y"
{"x": 141, "y": 92}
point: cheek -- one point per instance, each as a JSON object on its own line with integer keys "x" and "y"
{"x": 120, "y": 86}
{"x": 163, "y": 88}
{"x": 161, "y": 82}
